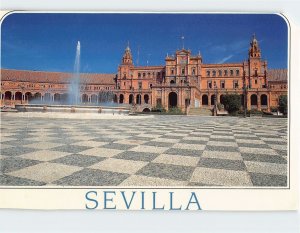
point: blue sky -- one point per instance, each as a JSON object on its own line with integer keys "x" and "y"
{"x": 48, "y": 41}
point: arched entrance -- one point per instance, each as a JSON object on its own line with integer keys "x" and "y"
{"x": 37, "y": 96}
{"x": 18, "y": 96}
{"x": 264, "y": 100}
{"x": 131, "y": 99}
{"x": 28, "y": 96}
{"x": 138, "y": 99}
{"x": 8, "y": 95}
{"x": 254, "y": 100}
{"x": 146, "y": 99}
{"x": 172, "y": 99}
{"x": 115, "y": 98}
{"x": 204, "y": 100}
{"x": 121, "y": 100}
{"x": 94, "y": 98}
{"x": 212, "y": 100}
{"x": 84, "y": 98}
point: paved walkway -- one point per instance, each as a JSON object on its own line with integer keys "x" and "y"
{"x": 156, "y": 151}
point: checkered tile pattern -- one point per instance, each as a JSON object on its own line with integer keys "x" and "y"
{"x": 158, "y": 151}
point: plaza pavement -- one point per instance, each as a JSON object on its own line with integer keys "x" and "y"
{"x": 150, "y": 151}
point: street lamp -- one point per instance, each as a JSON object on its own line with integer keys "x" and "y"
{"x": 245, "y": 88}
{"x": 215, "y": 98}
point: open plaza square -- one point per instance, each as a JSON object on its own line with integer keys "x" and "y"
{"x": 135, "y": 151}
{"x": 113, "y": 102}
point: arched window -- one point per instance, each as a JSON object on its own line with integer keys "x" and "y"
{"x": 193, "y": 71}
{"x": 183, "y": 71}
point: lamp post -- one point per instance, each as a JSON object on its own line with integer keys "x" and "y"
{"x": 133, "y": 100}
{"x": 245, "y": 88}
{"x": 215, "y": 98}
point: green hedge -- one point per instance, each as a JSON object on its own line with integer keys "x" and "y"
{"x": 158, "y": 108}
{"x": 283, "y": 104}
{"x": 175, "y": 110}
{"x": 232, "y": 103}
{"x": 172, "y": 111}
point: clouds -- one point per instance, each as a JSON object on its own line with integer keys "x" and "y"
{"x": 226, "y": 51}
{"x": 225, "y": 59}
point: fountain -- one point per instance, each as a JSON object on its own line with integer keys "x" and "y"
{"x": 73, "y": 105}
{"x": 74, "y": 88}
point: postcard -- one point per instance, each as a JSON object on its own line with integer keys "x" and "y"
{"x": 147, "y": 111}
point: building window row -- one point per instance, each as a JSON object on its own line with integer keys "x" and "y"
{"x": 183, "y": 71}
{"x": 277, "y": 86}
{"x": 95, "y": 88}
{"x": 149, "y": 74}
{"x": 210, "y": 84}
{"x": 214, "y": 73}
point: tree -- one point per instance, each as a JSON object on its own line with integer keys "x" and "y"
{"x": 232, "y": 102}
{"x": 283, "y": 104}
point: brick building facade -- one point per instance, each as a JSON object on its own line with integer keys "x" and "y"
{"x": 184, "y": 81}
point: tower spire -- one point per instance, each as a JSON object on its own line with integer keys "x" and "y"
{"x": 128, "y": 48}
{"x": 127, "y": 57}
{"x": 254, "y": 50}
{"x": 182, "y": 39}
